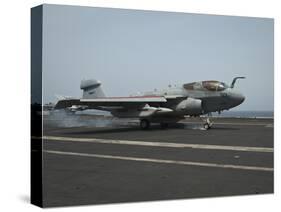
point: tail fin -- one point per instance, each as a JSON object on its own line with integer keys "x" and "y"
{"x": 91, "y": 89}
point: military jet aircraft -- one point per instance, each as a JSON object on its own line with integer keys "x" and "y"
{"x": 164, "y": 106}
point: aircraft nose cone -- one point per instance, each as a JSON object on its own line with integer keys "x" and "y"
{"x": 237, "y": 98}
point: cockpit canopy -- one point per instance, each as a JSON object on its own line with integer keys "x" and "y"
{"x": 210, "y": 85}
{"x": 214, "y": 85}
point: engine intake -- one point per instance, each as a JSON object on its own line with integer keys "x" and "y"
{"x": 191, "y": 106}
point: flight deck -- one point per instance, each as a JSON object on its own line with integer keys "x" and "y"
{"x": 119, "y": 162}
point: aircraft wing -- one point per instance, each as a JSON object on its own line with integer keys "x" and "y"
{"x": 109, "y": 103}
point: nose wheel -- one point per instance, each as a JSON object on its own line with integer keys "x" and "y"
{"x": 207, "y": 123}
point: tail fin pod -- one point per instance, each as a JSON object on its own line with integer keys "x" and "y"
{"x": 91, "y": 89}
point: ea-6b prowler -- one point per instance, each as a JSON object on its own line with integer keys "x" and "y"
{"x": 164, "y": 106}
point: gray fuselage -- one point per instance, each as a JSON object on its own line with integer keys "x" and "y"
{"x": 215, "y": 96}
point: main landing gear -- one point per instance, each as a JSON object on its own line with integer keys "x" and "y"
{"x": 144, "y": 124}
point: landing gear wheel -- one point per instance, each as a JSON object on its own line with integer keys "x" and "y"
{"x": 207, "y": 126}
{"x": 144, "y": 124}
{"x": 164, "y": 125}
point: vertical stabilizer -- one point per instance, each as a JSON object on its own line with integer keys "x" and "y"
{"x": 91, "y": 89}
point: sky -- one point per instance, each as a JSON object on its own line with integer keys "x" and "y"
{"x": 132, "y": 51}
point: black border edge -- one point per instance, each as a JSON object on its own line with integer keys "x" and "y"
{"x": 36, "y": 189}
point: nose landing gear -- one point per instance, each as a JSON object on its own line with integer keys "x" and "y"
{"x": 207, "y": 122}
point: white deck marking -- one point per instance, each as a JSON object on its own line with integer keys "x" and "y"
{"x": 153, "y": 160}
{"x": 228, "y": 123}
{"x": 161, "y": 144}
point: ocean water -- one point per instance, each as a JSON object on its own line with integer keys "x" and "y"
{"x": 246, "y": 114}
{"x": 230, "y": 113}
